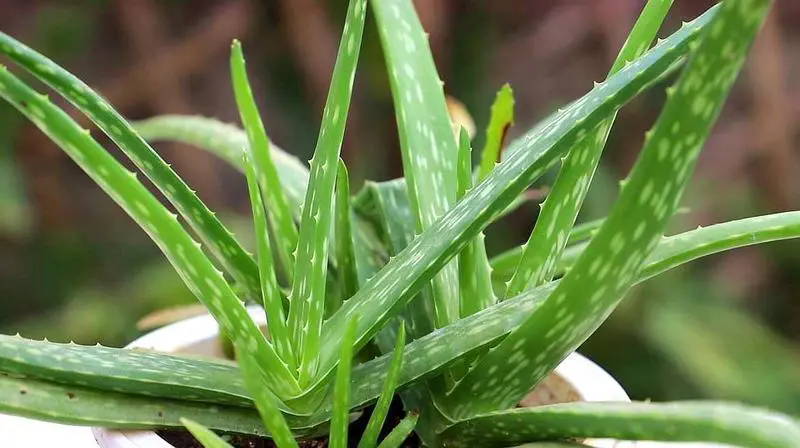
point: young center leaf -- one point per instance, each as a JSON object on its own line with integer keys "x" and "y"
{"x": 400, "y": 433}
{"x": 500, "y": 119}
{"x": 271, "y": 294}
{"x": 341, "y": 390}
{"x": 345, "y": 252}
{"x": 265, "y": 169}
{"x": 204, "y": 435}
{"x": 307, "y": 299}
{"x": 475, "y": 275}
{"x": 370, "y": 436}
{"x": 426, "y": 136}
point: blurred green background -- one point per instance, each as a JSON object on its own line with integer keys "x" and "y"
{"x": 73, "y": 266}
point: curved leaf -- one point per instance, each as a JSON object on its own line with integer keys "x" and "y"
{"x": 218, "y": 239}
{"x": 307, "y": 299}
{"x": 679, "y": 421}
{"x": 184, "y": 253}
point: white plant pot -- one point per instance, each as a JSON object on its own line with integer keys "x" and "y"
{"x": 198, "y": 335}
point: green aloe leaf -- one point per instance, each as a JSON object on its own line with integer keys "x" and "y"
{"x": 265, "y": 169}
{"x": 400, "y": 432}
{"x": 307, "y": 299}
{"x": 204, "y": 435}
{"x": 141, "y": 372}
{"x": 500, "y": 119}
{"x": 341, "y": 389}
{"x": 184, "y": 253}
{"x": 370, "y": 436}
{"x": 158, "y": 374}
{"x": 129, "y": 371}
{"x": 264, "y": 397}
{"x": 77, "y": 405}
{"x": 426, "y": 134}
{"x": 504, "y": 264}
{"x": 475, "y": 275}
{"x": 608, "y": 267}
{"x": 271, "y": 294}
{"x": 549, "y": 236}
{"x": 345, "y": 252}
{"x": 386, "y": 293}
{"x": 228, "y": 142}
{"x": 678, "y": 421}
{"x": 426, "y": 356}
{"x": 687, "y": 246}
{"x": 385, "y": 205}
{"x": 219, "y": 240}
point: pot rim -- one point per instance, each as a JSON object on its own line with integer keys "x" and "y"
{"x": 588, "y": 379}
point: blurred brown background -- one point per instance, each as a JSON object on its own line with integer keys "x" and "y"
{"x": 73, "y": 266}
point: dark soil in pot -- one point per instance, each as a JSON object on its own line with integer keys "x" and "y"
{"x": 553, "y": 389}
{"x": 183, "y": 439}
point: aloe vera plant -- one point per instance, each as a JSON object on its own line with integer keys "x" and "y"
{"x": 401, "y": 266}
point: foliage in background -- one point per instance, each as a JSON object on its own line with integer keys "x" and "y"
{"x": 462, "y": 400}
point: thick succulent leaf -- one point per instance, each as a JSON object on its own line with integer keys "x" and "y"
{"x": 590, "y": 291}
{"x": 164, "y": 375}
{"x": 426, "y": 135}
{"x": 219, "y": 240}
{"x": 559, "y": 210}
{"x": 271, "y": 294}
{"x": 202, "y": 278}
{"x": 687, "y": 246}
{"x": 307, "y": 299}
{"x": 130, "y": 371}
{"x": 265, "y": 169}
{"x": 500, "y": 119}
{"x": 341, "y": 389}
{"x": 474, "y": 272}
{"x": 385, "y": 205}
{"x": 204, "y": 435}
{"x": 370, "y": 436}
{"x": 386, "y": 293}
{"x": 504, "y": 264}
{"x": 684, "y": 247}
{"x": 400, "y": 432}
{"x": 678, "y": 421}
{"x": 77, "y": 405}
{"x": 345, "y": 252}
{"x": 426, "y": 356}
{"x": 228, "y": 142}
